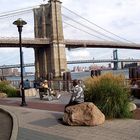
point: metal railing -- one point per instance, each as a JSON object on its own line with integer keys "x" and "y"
{"x": 61, "y": 85}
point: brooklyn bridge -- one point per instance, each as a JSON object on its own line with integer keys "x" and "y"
{"x": 49, "y": 43}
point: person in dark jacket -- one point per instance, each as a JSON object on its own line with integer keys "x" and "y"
{"x": 26, "y": 84}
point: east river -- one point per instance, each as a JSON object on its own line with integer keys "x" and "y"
{"x": 77, "y": 75}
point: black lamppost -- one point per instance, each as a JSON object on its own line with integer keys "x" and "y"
{"x": 19, "y": 23}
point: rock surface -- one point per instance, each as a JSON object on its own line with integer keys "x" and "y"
{"x": 86, "y": 114}
{"x": 3, "y": 95}
{"x": 132, "y": 106}
{"x": 30, "y": 92}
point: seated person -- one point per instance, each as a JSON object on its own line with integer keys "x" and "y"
{"x": 44, "y": 87}
{"x": 134, "y": 88}
{"x": 81, "y": 84}
{"x": 77, "y": 94}
{"x": 45, "y": 84}
{"x": 36, "y": 84}
{"x": 134, "y": 84}
{"x": 26, "y": 84}
{"x": 51, "y": 91}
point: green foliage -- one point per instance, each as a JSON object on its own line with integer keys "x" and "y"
{"x": 5, "y": 87}
{"x": 110, "y": 94}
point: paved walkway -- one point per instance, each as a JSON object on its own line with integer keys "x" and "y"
{"x": 39, "y": 121}
{"x": 5, "y": 118}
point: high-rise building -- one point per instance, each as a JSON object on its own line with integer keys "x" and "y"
{"x": 15, "y": 72}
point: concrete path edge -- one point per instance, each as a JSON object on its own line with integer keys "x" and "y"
{"x": 14, "y": 132}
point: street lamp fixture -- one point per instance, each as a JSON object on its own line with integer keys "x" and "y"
{"x": 19, "y": 23}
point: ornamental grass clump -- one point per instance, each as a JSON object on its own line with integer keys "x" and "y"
{"x": 6, "y": 87}
{"x": 110, "y": 94}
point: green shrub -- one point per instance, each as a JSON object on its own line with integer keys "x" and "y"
{"x": 110, "y": 94}
{"x": 8, "y": 89}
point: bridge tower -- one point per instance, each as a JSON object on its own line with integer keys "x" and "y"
{"x": 115, "y": 57}
{"x": 48, "y": 24}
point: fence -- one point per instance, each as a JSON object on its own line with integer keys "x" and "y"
{"x": 61, "y": 85}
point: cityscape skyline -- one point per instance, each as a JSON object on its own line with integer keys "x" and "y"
{"x": 76, "y": 68}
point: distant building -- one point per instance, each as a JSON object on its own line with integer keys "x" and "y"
{"x": 15, "y": 72}
{"x": 79, "y": 69}
{"x": 138, "y": 63}
{"x": 9, "y": 72}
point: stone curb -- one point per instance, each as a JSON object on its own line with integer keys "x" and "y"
{"x": 15, "y": 123}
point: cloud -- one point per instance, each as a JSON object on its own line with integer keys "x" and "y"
{"x": 7, "y": 5}
{"x": 116, "y": 16}
{"x": 7, "y": 58}
{"x": 79, "y": 55}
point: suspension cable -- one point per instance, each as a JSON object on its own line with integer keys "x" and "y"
{"x": 84, "y": 31}
{"x": 18, "y": 11}
{"x": 98, "y": 25}
{"x": 91, "y": 29}
{"x": 17, "y": 14}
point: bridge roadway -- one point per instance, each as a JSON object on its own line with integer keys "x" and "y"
{"x": 43, "y": 42}
{"x": 75, "y": 62}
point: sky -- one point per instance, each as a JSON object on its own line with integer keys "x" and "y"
{"x": 117, "y": 16}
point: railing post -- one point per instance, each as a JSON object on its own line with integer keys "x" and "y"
{"x": 60, "y": 84}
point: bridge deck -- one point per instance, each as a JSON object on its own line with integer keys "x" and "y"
{"x": 76, "y": 62}
{"x": 100, "y": 44}
{"x": 41, "y": 42}
{"x": 26, "y": 42}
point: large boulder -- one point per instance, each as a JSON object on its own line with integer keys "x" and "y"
{"x": 3, "y": 95}
{"x": 30, "y": 92}
{"x": 86, "y": 114}
{"x": 132, "y": 106}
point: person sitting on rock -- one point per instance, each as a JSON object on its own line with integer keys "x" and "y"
{"x": 77, "y": 94}
{"x": 81, "y": 84}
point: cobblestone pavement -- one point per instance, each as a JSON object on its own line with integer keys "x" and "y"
{"x": 39, "y": 121}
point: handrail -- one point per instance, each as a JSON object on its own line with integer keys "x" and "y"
{"x": 61, "y": 85}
